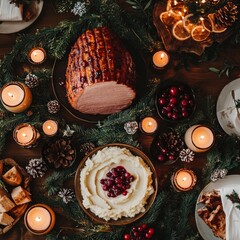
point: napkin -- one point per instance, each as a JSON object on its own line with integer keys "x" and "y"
{"x": 9, "y": 12}
{"x": 232, "y": 213}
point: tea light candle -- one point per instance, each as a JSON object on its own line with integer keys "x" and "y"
{"x": 37, "y": 55}
{"x": 16, "y": 97}
{"x": 25, "y": 135}
{"x": 199, "y": 138}
{"x": 39, "y": 219}
{"x": 160, "y": 59}
{"x": 184, "y": 180}
{"x": 148, "y": 125}
{"x": 50, "y": 127}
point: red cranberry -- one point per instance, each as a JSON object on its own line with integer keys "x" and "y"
{"x": 173, "y": 100}
{"x": 148, "y": 236}
{"x": 169, "y": 114}
{"x": 185, "y": 114}
{"x": 151, "y": 231}
{"x": 171, "y": 157}
{"x": 105, "y": 188}
{"x": 184, "y": 102}
{"x": 127, "y": 236}
{"x": 162, "y": 101}
{"x": 124, "y": 193}
{"x": 161, "y": 157}
{"x": 144, "y": 225}
{"x": 191, "y": 103}
{"x": 173, "y": 91}
{"x": 127, "y": 175}
{"x": 175, "y": 116}
{"x": 168, "y": 108}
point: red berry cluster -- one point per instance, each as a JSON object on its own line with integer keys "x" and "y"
{"x": 117, "y": 182}
{"x": 141, "y": 232}
{"x": 176, "y": 102}
{"x": 166, "y": 147}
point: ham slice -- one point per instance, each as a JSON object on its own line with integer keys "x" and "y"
{"x": 100, "y": 75}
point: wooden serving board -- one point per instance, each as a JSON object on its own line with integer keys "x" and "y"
{"x": 173, "y": 45}
{"x": 18, "y": 210}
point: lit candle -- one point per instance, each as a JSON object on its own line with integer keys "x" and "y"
{"x": 50, "y": 127}
{"x": 37, "y": 55}
{"x": 199, "y": 138}
{"x": 16, "y": 97}
{"x": 39, "y": 219}
{"x": 160, "y": 59}
{"x": 184, "y": 180}
{"x": 25, "y": 135}
{"x": 148, "y": 125}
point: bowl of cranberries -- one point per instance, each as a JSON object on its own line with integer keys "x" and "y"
{"x": 175, "y": 101}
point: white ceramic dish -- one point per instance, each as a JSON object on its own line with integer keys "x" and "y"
{"x": 7, "y": 27}
{"x": 204, "y": 230}
{"x": 226, "y": 109}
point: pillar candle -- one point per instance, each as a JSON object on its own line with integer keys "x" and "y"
{"x": 16, "y": 97}
{"x": 199, "y": 138}
{"x": 50, "y": 127}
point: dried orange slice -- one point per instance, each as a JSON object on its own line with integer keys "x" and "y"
{"x": 187, "y": 23}
{"x": 207, "y": 24}
{"x": 179, "y": 32}
{"x": 215, "y": 27}
{"x": 199, "y": 33}
{"x": 169, "y": 18}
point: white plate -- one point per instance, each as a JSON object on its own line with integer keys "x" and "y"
{"x": 7, "y": 27}
{"x": 204, "y": 230}
{"x": 226, "y": 109}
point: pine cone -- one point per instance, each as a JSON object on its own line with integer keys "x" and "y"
{"x": 60, "y": 153}
{"x": 86, "y": 148}
{"x": 53, "y": 106}
{"x": 31, "y": 80}
{"x": 226, "y": 15}
{"x": 66, "y": 194}
{"x": 36, "y": 168}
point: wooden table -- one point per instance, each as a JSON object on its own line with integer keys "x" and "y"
{"x": 198, "y": 76}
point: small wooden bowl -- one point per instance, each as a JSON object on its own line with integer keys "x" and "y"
{"x": 122, "y": 221}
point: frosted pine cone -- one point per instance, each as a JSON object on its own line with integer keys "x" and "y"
{"x": 53, "y": 106}
{"x": 36, "y": 168}
{"x": 186, "y": 155}
{"x": 218, "y": 174}
{"x": 31, "y": 80}
{"x": 131, "y": 127}
{"x": 66, "y": 194}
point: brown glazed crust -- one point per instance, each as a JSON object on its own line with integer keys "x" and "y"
{"x": 98, "y": 56}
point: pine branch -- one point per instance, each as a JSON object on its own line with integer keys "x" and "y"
{"x": 234, "y": 198}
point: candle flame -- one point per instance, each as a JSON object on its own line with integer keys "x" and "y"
{"x": 162, "y": 55}
{"x": 202, "y": 137}
{"x": 184, "y": 179}
{"x": 10, "y": 94}
{"x": 48, "y": 127}
{"x": 38, "y": 219}
{"x": 24, "y": 135}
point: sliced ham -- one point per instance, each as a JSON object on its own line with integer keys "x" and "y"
{"x": 100, "y": 75}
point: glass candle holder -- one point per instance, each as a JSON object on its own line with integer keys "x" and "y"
{"x": 184, "y": 180}
{"x": 26, "y": 135}
{"x": 16, "y": 97}
{"x": 39, "y": 219}
{"x": 37, "y": 55}
{"x": 148, "y": 125}
{"x": 199, "y": 138}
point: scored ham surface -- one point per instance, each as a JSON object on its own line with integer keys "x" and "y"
{"x": 100, "y": 75}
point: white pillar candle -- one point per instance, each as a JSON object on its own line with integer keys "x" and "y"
{"x": 50, "y": 127}
{"x": 148, "y": 125}
{"x": 16, "y": 97}
{"x": 199, "y": 138}
{"x": 160, "y": 59}
{"x": 37, "y": 55}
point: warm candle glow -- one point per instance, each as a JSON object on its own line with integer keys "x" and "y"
{"x": 149, "y": 125}
{"x": 39, "y": 219}
{"x": 199, "y": 138}
{"x": 37, "y": 55}
{"x": 24, "y": 134}
{"x": 160, "y": 59}
{"x": 184, "y": 179}
{"x": 12, "y": 95}
{"x": 50, "y": 127}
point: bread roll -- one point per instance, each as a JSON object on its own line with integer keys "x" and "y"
{"x": 12, "y": 177}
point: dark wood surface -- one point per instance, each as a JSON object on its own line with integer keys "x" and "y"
{"x": 199, "y": 77}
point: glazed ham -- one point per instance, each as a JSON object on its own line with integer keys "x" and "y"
{"x": 100, "y": 75}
